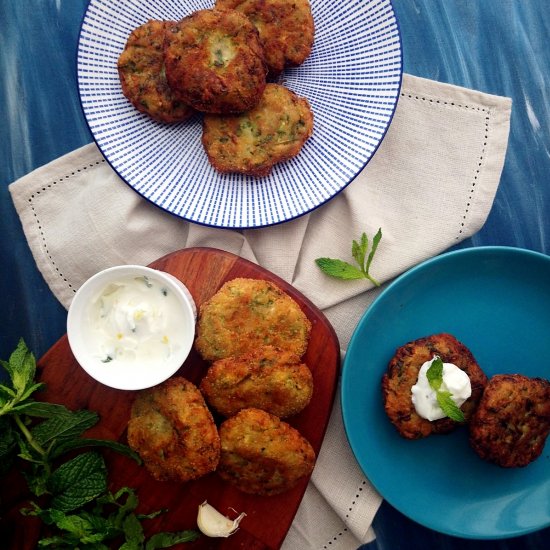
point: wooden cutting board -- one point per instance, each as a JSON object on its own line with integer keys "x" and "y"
{"x": 203, "y": 271}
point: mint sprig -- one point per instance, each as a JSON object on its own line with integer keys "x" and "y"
{"x": 344, "y": 270}
{"x": 74, "y": 498}
{"x": 444, "y": 398}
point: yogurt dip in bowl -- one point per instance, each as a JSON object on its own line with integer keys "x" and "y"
{"x": 131, "y": 327}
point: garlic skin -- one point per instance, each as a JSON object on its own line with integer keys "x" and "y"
{"x": 214, "y": 524}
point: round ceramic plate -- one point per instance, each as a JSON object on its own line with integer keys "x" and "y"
{"x": 496, "y": 300}
{"x": 351, "y": 79}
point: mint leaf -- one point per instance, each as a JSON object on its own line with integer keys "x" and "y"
{"x": 74, "y": 524}
{"x": 448, "y": 406}
{"x": 30, "y": 389}
{"x": 375, "y": 243}
{"x": 78, "y": 481}
{"x": 133, "y": 530}
{"x": 165, "y": 540}
{"x": 68, "y": 445}
{"x": 444, "y": 398}
{"x": 6, "y": 393}
{"x": 39, "y": 409}
{"x": 343, "y": 270}
{"x": 339, "y": 269}
{"x": 64, "y": 425}
{"x": 21, "y": 367}
{"x": 359, "y": 250}
{"x": 435, "y": 373}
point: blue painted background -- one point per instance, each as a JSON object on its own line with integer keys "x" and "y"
{"x": 496, "y": 46}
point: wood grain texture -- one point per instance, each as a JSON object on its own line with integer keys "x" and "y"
{"x": 203, "y": 271}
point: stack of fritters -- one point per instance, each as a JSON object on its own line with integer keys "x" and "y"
{"x": 255, "y": 336}
{"x": 216, "y": 61}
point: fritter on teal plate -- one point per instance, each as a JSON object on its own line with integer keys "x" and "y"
{"x": 512, "y": 421}
{"x": 402, "y": 374}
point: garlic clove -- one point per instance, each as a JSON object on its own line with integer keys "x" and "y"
{"x": 214, "y": 524}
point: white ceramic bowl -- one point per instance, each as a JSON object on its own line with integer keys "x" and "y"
{"x": 131, "y": 327}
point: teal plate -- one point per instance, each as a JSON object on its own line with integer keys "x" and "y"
{"x": 496, "y": 300}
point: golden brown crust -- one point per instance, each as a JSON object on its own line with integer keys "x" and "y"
{"x": 286, "y": 29}
{"x": 173, "y": 431}
{"x": 266, "y": 378}
{"x": 512, "y": 421}
{"x": 252, "y": 142}
{"x": 142, "y": 76}
{"x": 215, "y": 61}
{"x": 247, "y": 313}
{"x": 402, "y": 374}
{"x": 262, "y": 454}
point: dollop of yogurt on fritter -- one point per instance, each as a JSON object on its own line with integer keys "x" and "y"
{"x": 424, "y": 397}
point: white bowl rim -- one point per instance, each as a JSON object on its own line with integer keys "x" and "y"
{"x": 95, "y": 283}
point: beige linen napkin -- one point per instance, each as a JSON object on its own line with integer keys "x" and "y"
{"x": 430, "y": 185}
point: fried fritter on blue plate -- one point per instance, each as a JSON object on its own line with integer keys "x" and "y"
{"x": 402, "y": 374}
{"x": 273, "y": 131}
{"x": 215, "y": 61}
{"x": 286, "y": 29}
{"x": 142, "y": 75}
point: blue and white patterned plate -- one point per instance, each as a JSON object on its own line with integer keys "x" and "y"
{"x": 352, "y": 81}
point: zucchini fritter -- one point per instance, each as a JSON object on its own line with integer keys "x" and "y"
{"x": 173, "y": 431}
{"x": 286, "y": 29}
{"x": 402, "y": 374}
{"x": 215, "y": 61}
{"x": 247, "y": 313}
{"x": 266, "y": 378}
{"x": 512, "y": 421}
{"x": 263, "y": 455}
{"x": 142, "y": 75}
{"x": 252, "y": 142}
